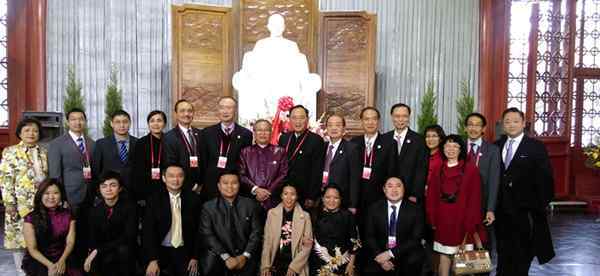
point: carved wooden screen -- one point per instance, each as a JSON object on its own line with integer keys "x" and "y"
{"x": 201, "y": 58}
{"x": 347, "y": 65}
{"x": 250, "y": 21}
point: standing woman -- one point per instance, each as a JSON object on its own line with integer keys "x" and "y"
{"x": 49, "y": 232}
{"x": 288, "y": 238}
{"x": 453, "y": 202}
{"x": 335, "y": 237}
{"x": 434, "y": 134}
{"x": 23, "y": 167}
{"x": 147, "y": 158}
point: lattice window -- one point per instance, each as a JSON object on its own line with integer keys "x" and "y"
{"x": 520, "y": 14}
{"x": 590, "y": 117}
{"x": 3, "y": 65}
{"x": 587, "y": 52}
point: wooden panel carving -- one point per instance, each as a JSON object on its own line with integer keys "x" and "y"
{"x": 201, "y": 58}
{"x": 347, "y": 65}
{"x": 251, "y": 22}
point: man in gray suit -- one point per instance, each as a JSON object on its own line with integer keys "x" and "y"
{"x": 70, "y": 159}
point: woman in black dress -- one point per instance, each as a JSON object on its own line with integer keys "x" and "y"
{"x": 336, "y": 239}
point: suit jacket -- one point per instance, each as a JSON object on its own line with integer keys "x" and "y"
{"x": 108, "y": 234}
{"x": 65, "y": 162}
{"x": 157, "y": 223}
{"x": 142, "y": 183}
{"x": 305, "y": 168}
{"x": 106, "y": 158}
{"x": 210, "y": 148}
{"x": 301, "y": 229}
{"x": 382, "y": 167}
{"x": 411, "y": 162}
{"x": 217, "y": 237}
{"x": 489, "y": 168}
{"x": 265, "y": 168}
{"x": 176, "y": 152}
{"x": 527, "y": 187}
{"x": 345, "y": 171}
{"x": 409, "y": 232}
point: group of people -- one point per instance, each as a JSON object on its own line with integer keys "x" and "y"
{"x": 225, "y": 201}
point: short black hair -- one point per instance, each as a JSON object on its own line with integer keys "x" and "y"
{"x": 262, "y": 121}
{"x": 29, "y": 121}
{"x": 478, "y": 115}
{"x": 515, "y": 110}
{"x": 437, "y": 129}
{"x": 110, "y": 175}
{"x": 172, "y": 165}
{"x": 455, "y": 138}
{"x": 154, "y": 112}
{"x": 362, "y": 112}
{"x": 300, "y": 107}
{"x": 336, "y": 115}
{"x": 182, "y": 101}
{"x": 75, "y": 110}
{"x": 400, "y": 105}
{"x": 228, "y": 172}
{"x": 120, "y": 112}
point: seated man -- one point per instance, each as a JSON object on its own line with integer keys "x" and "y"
{"x": 394, "y": 228}
{"x": 230, "y": 231}
{"x": 263, "y": 166}
{"x": 170, "y": 227}
{"x": 113, "y": 229}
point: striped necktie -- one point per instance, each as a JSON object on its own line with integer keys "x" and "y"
{"x": 123, "y": 151}
{"x": 81, "y": 145}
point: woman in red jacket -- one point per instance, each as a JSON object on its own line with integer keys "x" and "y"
{"x": 453, "y": 201}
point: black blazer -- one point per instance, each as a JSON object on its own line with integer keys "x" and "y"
{"x": 383, "y": 166}
{"x": 411, "y": 162}
{"x": 157, "y": 223}
{"x": 527, "y": 187}
{"x": 210, "y": 148}
{"x": 216, "y": 234}
{"x": 176, "y": 152}
{"x": 108, "y": 234}
{"x": 106, "y": 158}
{"x": 305, "y": 169}
{"x": 345, "y": 171}
{"x": 410, "y": 226}
{"x": 143, "y": 185}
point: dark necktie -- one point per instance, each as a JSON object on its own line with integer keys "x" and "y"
{"x": 392, "y": 230}
{"x": 123, "y": 151}
{"x": 473, "y": 151}
{"x": 328, "y": 157}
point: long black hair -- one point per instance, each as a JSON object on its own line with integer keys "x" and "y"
{"x": 39, "y": 215}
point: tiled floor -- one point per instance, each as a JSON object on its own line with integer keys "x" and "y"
{"x": 576, "y": 240}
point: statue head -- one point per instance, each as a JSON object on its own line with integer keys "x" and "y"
{"x": 276, "y": 24}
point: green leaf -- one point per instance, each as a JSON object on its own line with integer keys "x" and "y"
{"x": 113, "y": 102}
{"x": 427, "y": 115}
{"x": 465, "y": 105}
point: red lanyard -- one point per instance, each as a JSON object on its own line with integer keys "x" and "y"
{"x": 477, "y": 155}
{"x": 152, "y": 153}
{"x": 191, "y": 151}
{"x": 221, "y": 148}
{"x": 370, "y": 157}
{"x": 287, "y": 147}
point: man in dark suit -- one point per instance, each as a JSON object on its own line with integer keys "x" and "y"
{"x": 221, "y": 146}
{"x": 342, "y": 163}
{"x": 526, "y": 189}
{"x": 305, "y": 152}
{"x": 412, "y": 155}
{"x": 393, "y": 234}
{"x": 170, "y": 227}
{"x": 112, "y": 153}
{"x": 230, "y": 231}
{"x": 182, "y": 146}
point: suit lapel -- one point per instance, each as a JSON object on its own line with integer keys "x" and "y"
{"x": 338, "y": 153}
{"x": 298, "y": 227}
{"x": 276, "y": 226}
{"x": 518, "y": 151}
{"x": 115, "y": 147}
{"x": 405, "y": 144}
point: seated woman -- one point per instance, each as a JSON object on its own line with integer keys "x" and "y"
{"x": 112, "y": 224}
{"x": 335, "y": 237}
{"x": 49, "y": 232}
{"x": 288, "y": 237}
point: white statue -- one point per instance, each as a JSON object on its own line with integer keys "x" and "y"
{"x": 273, "y": 69}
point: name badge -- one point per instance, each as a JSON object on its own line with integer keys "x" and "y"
{"x": 366, "y": 173}
{"x": 325, "y": 177}
{"x": 193, "y": 161}
{"x": 87, "y": 173}
{"x": 391, "y": 242}
{"x": 221, "y": 162}
{"x": 155, "y": 172}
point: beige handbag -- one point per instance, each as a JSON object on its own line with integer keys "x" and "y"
{"x": 471, "y": 262}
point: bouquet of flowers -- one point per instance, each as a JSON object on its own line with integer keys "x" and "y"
{"x": 592, "y": 153}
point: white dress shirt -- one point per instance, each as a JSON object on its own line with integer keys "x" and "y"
{"x": 400, "y": 137}
{"x": 515, "y": 146}
{"x": 173, "y": 199}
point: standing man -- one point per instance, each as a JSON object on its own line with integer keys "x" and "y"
{"x": 263, "y": 166}
{"x": 305, "y": 152}
{"x": 411, "y": 154}
{"x": 182, "y": 146}
{"x": 221, "y": 145}
{"x": 526, "y": 189}
{"x": 230, "y": 231}
{"x": 70, "y": 160}
{"x": 342, "y": 164}
{"x": 112, "y": 153}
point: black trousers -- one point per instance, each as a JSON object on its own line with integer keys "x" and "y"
{"x": 117, "y": 262}
{"x": 514, "y": 237}
{"x": 173, "y": 261}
